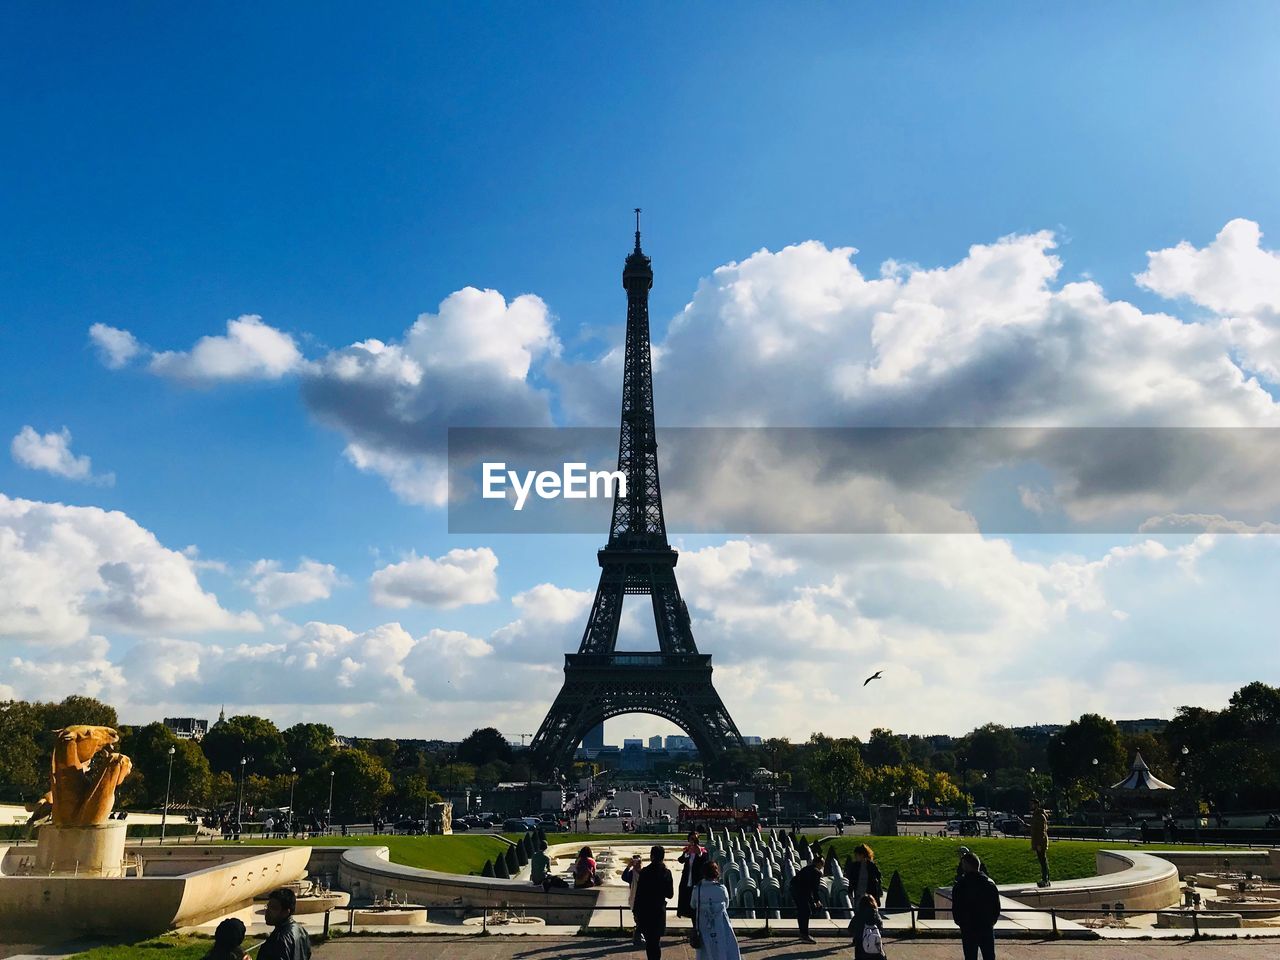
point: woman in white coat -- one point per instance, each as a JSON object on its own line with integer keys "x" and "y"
{"x": 711, "y": 903}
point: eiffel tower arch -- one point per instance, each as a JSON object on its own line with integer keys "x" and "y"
{"x": 599, "y": 681}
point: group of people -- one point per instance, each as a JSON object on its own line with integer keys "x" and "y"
{"x": 702, "y": 897}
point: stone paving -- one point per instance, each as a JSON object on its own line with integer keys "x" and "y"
{"x": 593, "y": 948}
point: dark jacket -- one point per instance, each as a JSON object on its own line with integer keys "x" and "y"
{"x": 289, "y": 941}
{"x": 976, "y": 902}
{"x": 653, "y": 890}
{"x": 875, "y": 884}
{"x": 806, "y": 884}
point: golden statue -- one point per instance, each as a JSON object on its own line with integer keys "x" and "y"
{"x": 82, "y": 792}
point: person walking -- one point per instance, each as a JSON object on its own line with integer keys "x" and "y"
{"x": 866, "y": 917}
{"x": 631, "y": 877}
{"x": 1040, "y": 839}
{"x": 711, "y": 914}
{"x": 694, "y": 858}
{"x": 288, "y": 939}
{"x": 865, "y": 876}
{"x": 975, "y": 905}
{"x": 805, "y": 887}
{"x": 653, "y": 890}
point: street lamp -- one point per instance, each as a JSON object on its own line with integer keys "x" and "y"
{"x": 240, "y": 798}
{"x": 164, "y": 817}
{"x": 293, "y": 782}
{"x": 1195, "y": 798}
{"x": 986, "y": 798}
{"x": 329, "y": 812}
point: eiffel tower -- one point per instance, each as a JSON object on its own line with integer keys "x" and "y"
{"x": 599, "y": 681}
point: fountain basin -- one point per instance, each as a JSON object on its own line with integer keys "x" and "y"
{"x": 400, "y": 915}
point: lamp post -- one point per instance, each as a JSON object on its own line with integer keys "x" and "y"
{"x": 1102, "y": 798}
{"x": 240, "y": 799}
{"x": 293, "y": 782}
{"x": 1195, "y": 796}
{"x": 164, "y": 817}
{"x": 986, "y": 798}
{"x": 329, "y": 811}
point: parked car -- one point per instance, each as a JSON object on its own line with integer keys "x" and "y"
{"x": 461, "y": 826}
{"x": 515, "y": 825}
{"x": 626, "y": 813}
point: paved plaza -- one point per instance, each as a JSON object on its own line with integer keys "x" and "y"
{"x": 591, "y": 948}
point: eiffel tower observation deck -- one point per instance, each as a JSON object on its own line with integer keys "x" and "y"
{"x": 599, "y": 680}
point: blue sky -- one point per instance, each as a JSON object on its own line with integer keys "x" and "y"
{"x": 338, "y": 174}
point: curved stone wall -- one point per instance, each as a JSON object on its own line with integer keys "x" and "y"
{"x": 368, "y": 873}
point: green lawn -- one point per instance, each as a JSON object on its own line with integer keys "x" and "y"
{"x": 455, "y": 854}
{"x": 931, "y": 861}
{"x": 169, "y": 947}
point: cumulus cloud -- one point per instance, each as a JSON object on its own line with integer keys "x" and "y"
{"x": 275, "y": 589}
{"x": 67, "y": 572}
{"x": 468, "y": 364}
{"x": 51, "y": 452}
{"x": 459, "y": 578}
{"x": 250, "y": 350}
{"x": 115, "y": 347}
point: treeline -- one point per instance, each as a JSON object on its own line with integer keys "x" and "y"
{"x": 369, "y": 776}
{"x": 1229, "y": 759}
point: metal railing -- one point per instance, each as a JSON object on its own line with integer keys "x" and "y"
{"x": 767, "y": 924}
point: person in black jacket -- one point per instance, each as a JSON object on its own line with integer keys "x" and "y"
{"x": 865, "y": 876}
{"x": 975, "y": 903}
{"x": 653, "y": 890}
{"x": 805, "y": 887}
{"x": 288, "y": 939}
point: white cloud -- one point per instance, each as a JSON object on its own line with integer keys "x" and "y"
{"x": 459, "y": 578}
{"x": 275, "y": 589}
{"x": 51, "y": 452}
{"x": 469, "y": 364}
{"x": 1232, "y": 276}
{"x": 115, "y": 347}
{"x": 250, "y": 350}
{"x": 67, "y": 572}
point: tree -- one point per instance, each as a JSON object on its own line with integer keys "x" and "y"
{"x": 457, "y": 775}
{"x": 76, "y": 710}
{"x": 24, "y": 772}
{"x": 884, "y": 749}
{"x": 991, "y": 747}
{"x": 482, "y": 746}
{"x": 361, "y": 784}
{"x": 833, "y": 770}
{"x": 308, "y": 745}
{"x": 413, "y": 791}
{"x": 148, "y": 748}
{"x": 1073, "y": 749}
{"x": 245, "y": 736}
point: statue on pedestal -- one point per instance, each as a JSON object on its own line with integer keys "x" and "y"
{"x": 85, "y": 773}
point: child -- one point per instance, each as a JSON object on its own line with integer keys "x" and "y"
{"x": 868, "y": 927}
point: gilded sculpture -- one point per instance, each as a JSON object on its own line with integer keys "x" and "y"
{"x": 82, "y": 791}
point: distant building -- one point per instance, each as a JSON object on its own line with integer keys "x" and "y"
{"x": 677, "y": 744}
{"x": 655, "y": 743}
{"x": 1146, "y": 725}
{"x": 187, "y": 728}
{"x": 753, "y": 741}
{"x": 632, "y": 744}
{"x": 594, "y": 739}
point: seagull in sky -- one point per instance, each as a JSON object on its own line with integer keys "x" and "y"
{"x": 874, "y": 676}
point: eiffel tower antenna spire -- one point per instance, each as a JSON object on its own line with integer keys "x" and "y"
{"x": 599, "y": 682}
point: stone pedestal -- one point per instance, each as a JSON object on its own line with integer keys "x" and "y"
{"x": 94, "y": 851}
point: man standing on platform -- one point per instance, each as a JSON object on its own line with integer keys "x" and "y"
{"x": 805, "y": 887}
{"x": 1040, "y": 840}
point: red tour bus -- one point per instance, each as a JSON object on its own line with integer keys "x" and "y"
{"x": 692, "y": 817}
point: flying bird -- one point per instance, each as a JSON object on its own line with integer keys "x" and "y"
{"x": 874, "y": 676}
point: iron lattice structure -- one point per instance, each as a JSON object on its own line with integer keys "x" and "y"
{"x": 599, "y": 681}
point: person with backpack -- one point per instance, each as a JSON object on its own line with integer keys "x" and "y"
{"x": 868, "y": 929}
{"x": 975, "y": 905}
{"x": 715, "y": 939}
